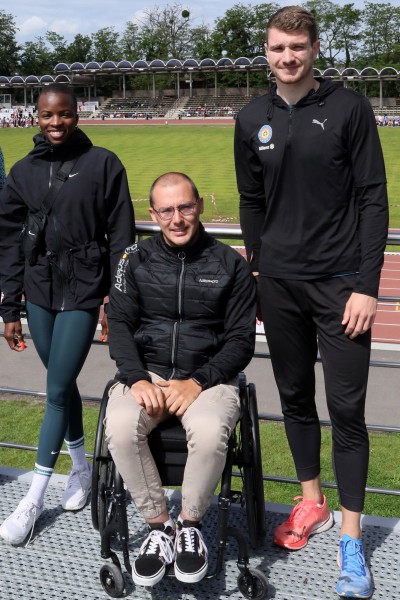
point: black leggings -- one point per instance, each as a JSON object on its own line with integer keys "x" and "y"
{"x": 296, "y": 314}
{"x": 62, "y": 340}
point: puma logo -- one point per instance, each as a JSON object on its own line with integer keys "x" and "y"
{"x": 316, "y": 122}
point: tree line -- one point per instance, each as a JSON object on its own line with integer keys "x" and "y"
{"x": 349, "y": 37}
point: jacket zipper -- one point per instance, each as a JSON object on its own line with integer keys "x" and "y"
{"x": 59, "y": 247}
{"x": 181, "y": 257}
{"x": 291, "y": 111}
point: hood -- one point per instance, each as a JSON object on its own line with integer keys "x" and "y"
{"x": 313, "y": 97}
{"x": 77, "y": 143}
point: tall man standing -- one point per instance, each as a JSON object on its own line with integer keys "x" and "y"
{"x": 314, "y": 214}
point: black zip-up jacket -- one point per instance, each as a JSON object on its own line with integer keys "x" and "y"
{"x": 90, "y": 223}
{"x": 182, "y": 312}
{"x": 312, "y": 185}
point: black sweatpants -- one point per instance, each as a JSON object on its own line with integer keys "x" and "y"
{"x": 298, "y": 317}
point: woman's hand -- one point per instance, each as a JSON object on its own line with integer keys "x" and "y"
{"x": 14, "y": 336}
{"x": 104, "y": 329}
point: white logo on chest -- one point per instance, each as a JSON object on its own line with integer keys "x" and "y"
{"x": 316, "y": 122}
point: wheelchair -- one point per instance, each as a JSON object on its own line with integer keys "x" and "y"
{"x": 168, "y": 445}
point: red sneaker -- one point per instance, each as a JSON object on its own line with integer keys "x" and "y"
{"x": 306, "y": 518}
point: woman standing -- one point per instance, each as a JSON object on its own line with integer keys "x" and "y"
{"x": 89, "y": 224}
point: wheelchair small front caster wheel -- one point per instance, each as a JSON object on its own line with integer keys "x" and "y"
{"x": 253, "y": 584}
{"x": 112, "y": 580}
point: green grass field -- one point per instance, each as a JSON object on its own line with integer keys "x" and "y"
{"x": 20, "y": 423}
{"x": 204, "y": 152}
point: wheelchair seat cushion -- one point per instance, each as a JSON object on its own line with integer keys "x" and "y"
{"x": 169, "y": 436}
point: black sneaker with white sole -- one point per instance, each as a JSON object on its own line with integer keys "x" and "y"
{"x": 157, "y": 551}
{"x": 191, "y": 552}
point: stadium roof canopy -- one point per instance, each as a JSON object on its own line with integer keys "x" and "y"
{"x": 85, "y": 74}
{"x": 68, "y": 73}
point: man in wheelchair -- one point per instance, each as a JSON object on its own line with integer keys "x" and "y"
{"x": 181, "y": 327}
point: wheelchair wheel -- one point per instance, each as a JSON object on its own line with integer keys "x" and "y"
{"x": 259, "y": 498}
{"x": 103, "y": 471}
{"x": 253, "y": 584}
{"x": 112, "y": 580}
{"x": 106, "y": 503}
{"x": 252, "y": 469}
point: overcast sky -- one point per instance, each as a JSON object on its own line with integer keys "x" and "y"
{"x": 35, "y": 17}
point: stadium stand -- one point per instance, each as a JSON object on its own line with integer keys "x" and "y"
{"x": 225, "y": 105}
{"x": 208, "y": 106}
{"x": 136, "y": 108}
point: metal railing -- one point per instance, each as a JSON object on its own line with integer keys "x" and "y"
{"x": 233, "y": 232}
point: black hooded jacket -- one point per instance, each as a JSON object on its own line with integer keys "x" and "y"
{"x": 311, "y": 180}
{"x": 182, "y": 312}
{"x": 90, "y": 223}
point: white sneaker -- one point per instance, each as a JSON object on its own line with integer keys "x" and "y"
{"x": 21, "y": 522}
{"x": 78, "y": 489}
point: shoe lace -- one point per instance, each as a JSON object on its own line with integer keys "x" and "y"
{"x": 353, "y": 558}
{"x": 159, "y": 544}
{"x": 74, "y": 481}
{"x": 31, "y": 533}
{"x": 23, "y": 517}
{"x": 191, "y": 540}
{"x": 299, "y": 513}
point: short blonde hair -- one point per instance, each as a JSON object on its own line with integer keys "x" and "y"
{"x": 173, "y": 178}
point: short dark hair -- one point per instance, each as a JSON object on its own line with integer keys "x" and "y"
{"x": 294, "y": 18}
{"x": 61, "y": 88}
{"x": 173, "y": 178}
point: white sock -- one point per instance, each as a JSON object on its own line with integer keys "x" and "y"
{"x": 40, "y": 481}
{"x": 169, "y": 523}
{"x": 181, "y": 519}
{"x": 76, "y": 451}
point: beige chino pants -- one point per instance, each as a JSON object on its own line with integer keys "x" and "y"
{"x": 208, "y": 423}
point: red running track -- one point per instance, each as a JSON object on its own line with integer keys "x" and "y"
{"x": 387, "y": 323}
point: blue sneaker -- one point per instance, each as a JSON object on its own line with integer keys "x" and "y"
{"x": 354, "y": 579}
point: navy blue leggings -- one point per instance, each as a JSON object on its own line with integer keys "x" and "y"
{"x": 62, "y": 340}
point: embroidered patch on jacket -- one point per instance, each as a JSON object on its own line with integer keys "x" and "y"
{"x": 265, "y": 134}
{"x": 131, "y": 249}
{"x": 208, "y": 281}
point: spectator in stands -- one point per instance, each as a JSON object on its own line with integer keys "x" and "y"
{"x": 182, "y": 325}
{"x": 90, "y": 222}
{"x": 314, "y": 215}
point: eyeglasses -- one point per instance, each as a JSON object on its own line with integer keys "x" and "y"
{"x": 168, "y": 212}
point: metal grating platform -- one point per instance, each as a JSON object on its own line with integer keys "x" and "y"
{"x": 63, "y": 558}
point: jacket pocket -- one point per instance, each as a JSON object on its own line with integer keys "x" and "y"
{"x": 89, "y": 271}
{"x": 38, "y": 282}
